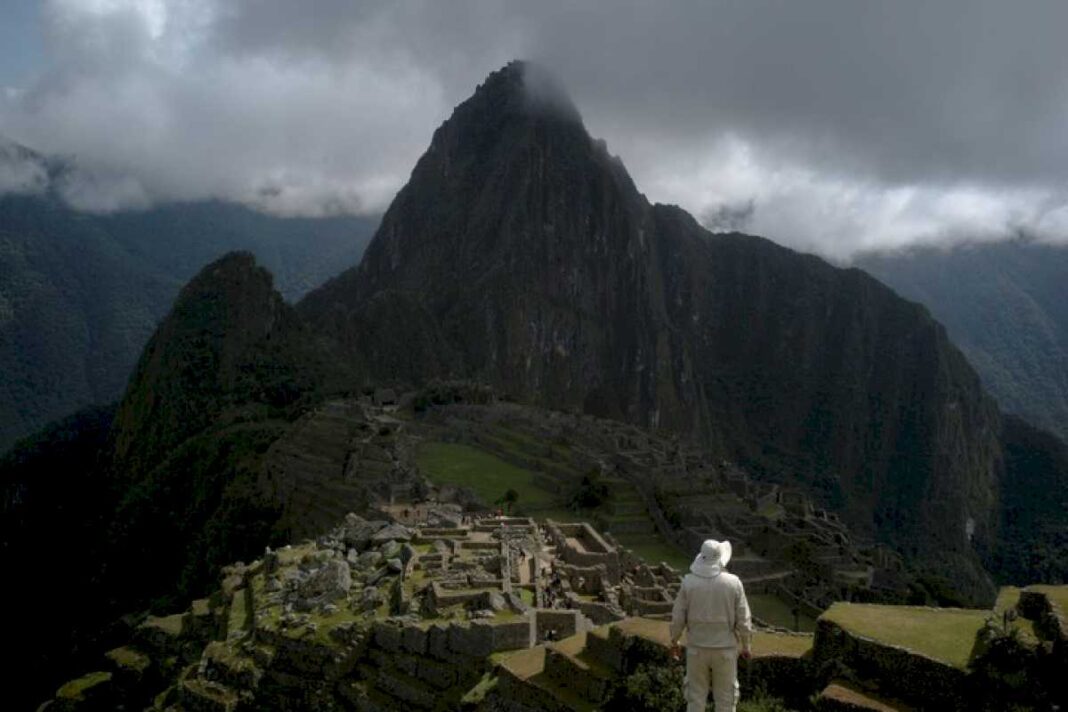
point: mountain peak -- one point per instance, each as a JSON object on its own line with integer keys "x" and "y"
{"x": 519, "y": 95}
{"x": 229, "y": 339}
{"x": 529, "y": 88}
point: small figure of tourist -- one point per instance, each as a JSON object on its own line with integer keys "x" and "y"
{"x": 712, "y": 608}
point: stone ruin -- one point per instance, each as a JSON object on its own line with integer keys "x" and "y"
{"x": 662, "y": 487}
{"x": 500, "y": 614}
{"x": 377, "y": 614}
{"x": 785, "y": 545}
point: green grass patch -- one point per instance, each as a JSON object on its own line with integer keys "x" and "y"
{"x": 488, "y": 476}
{"x": 533, "y": 444}
{"x": 171, "y": 625}
{"x": 478, "y": 693}
{"x": 653, "y": 550}
{"x": 129, "y": 659}
{"x": 77, "y": 689}
{"x": 946, "y": 634}
{"x": 780, "y": 644}
{"x": 240, "y": 617}
{"x": 777, "y": 612}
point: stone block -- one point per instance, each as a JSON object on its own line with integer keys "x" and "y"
{"x": 437, "y": 638}
{"x": 513, "y": 635}
{"x": 387, "y": 636}
{"x": 564, "y": 622}
{"x": 197, "y": 695}
{"x": 437, "y": 674}
{"x": 414, "y": 639}
{"x": 473, "y": 640}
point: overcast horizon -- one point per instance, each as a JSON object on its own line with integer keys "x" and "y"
{"x": 832, "y": 127}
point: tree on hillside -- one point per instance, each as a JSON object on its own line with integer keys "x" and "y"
{"x": 592, "y": 492}
{"x": 508, "y": 499}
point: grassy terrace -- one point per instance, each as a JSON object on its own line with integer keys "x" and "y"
{"x": 775, "y": 611}
{"x": 489, "y": 477}
{"x": 945, "y": 634}
{"x": 654, "y": 550}
{"x": 76, "y": 690}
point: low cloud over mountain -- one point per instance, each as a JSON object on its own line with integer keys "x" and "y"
{"x": 845, "y": 126}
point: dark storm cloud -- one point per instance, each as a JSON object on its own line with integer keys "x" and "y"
{"x": 836, "y": 125}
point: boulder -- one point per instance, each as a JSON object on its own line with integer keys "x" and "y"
{"x": 370, "y": 599}
{"x": 369, "y": 559}
{"x": 357, "y": 532}
{"x": 329, "y": 582}
{"x": 496, "y": 601}
{"x": 392, "y": 532}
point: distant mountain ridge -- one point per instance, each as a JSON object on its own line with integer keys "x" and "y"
{"x": 81, "y": 293}
{"x": 1006, "y": 305}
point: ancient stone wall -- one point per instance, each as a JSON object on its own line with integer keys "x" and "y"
{"x": 565, "y": 623}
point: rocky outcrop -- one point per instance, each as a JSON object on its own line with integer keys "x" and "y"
{"x": 521, "y": 254}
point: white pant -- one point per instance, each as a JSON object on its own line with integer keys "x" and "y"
{"x": 722, "y": 663}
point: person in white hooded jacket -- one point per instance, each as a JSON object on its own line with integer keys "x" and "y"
{"x": 711, "y": 607}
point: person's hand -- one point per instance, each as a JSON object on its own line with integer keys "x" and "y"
{"x": 676, "y": 652}
{"x": 746, "y": 654}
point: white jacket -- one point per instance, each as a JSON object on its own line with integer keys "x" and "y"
{"x": 713, "y": 611}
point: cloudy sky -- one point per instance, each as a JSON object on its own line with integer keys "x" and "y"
{"x": 827, "y": 126}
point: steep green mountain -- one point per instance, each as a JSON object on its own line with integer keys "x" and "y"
{"x": 80, "y": 294}
{"x": 521, "y": 254}
{"x": 1006, "y": 305}
{"x": 230, "y": 343}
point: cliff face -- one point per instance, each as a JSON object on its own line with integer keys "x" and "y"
{"x": 521, "y": 254}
